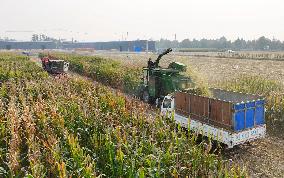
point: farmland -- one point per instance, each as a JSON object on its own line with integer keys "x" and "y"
{"x": 249, "y": 76}
{"x": 71, "y": 127}
{"x": 77, "y": 124}
{"x": 263, "y": 77}
{"x": 212, "y": 68}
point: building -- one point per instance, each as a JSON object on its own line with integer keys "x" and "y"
{"x": 132, "y": 46}
{"x": 27, "y": 45}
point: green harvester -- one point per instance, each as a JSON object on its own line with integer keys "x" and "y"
{"x": 158, "y": 82}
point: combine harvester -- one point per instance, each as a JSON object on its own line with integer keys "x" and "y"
{"x": 231, "y": 118}
{"x": 54, "y": 66}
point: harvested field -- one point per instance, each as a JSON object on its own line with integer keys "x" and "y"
{"x": 264, "y": 158}
{"x": 213, "y": 69}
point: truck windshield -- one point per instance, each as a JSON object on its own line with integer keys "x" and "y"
{"x": 167, "y": 103}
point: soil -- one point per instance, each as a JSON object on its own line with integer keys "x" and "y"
{"x": 263, "y": 158}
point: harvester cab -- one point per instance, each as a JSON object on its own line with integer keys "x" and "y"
{"x": 158, "y": 82}
{"x": 53, "y": 65}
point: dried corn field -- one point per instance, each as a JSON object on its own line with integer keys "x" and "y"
{"x": 212, "y": 68}
{"x": 71, "y": 127}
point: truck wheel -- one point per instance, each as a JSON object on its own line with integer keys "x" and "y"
{"x": 146, "y": 96}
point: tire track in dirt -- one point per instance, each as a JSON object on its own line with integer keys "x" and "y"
{"x": 263, "y": 158}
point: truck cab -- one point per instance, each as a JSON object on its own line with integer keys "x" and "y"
{"x": 53, "y": 65}
{"x": 168, "y": 105}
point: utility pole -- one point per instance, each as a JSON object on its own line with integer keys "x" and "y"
{"x": 176, "y": 41}
{"x": 128, "y": 41}
{"x": 147, "y": 46}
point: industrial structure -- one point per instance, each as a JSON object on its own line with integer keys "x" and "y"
{"x": 131, "y": 46}
{"x": 27, "y": 45}
{"x": 134, "y": 46}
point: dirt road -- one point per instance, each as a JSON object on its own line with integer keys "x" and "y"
{"x": 263, "y": 158}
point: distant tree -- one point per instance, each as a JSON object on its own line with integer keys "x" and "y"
{"x": 275, "y": 44}
{"x": 186, "y": 43}
{"x": 223, "y": 43}
{"x": 43, "y": 37}
{"x": 164, "y": 43}
{"x": 261, "y": 43}
{"x": 239, "y": 44}
{"x": 35, "y": 37}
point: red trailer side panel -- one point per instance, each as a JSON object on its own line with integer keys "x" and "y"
{"x": 205, "y": 109}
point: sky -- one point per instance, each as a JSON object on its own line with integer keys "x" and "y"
{"x": 108, "y": 20}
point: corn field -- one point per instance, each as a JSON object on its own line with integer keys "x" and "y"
{"x": 72, "y": 128}
{"x": 109, "y": 72}
{"x": 114, "y": 73}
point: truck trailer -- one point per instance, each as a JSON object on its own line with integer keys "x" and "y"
{"x": 231, "y": 118}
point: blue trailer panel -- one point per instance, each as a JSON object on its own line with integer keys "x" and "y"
{"x": 248, "y": 115}
{"x": 239, "y": 120}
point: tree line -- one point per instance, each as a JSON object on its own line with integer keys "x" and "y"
{"x": 222, "y": 43}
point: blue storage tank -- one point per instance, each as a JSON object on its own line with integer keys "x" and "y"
{"x": 248, "y": 110}
{"x": 249, "y": 114}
